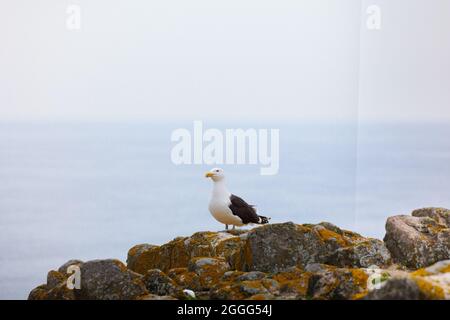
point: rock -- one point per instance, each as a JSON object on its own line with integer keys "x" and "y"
{"x": 262, "y": 297}
{"x": 54, "y": 278}
{"x": 317, "y": 282}
{"x": 331, "y": 283}
{"x": 293, "y": 282}
{"x": 362, "y": 255}
{"x": 185, "y": 279}
{"x": 250, "y": 288}
{"x": 275, "y": 261}
{"x": 178, "y": 252}
{"x": 237, "y": 285}
{"x": 59, "y": 292}
{"x": 157, "y": 282}
{"x": 156, "y": 297}
{"x": 440, "y": 215}
{"x": 420, "y": 240}
{"x": 232, "y": 275}
{"x": 109, "y": 280}
{"x": 209, "y": 270}
{"x": 252, "y": 275}
{"x": 38, "y": 293}
{"x": 55, "y": 288}
{"x": 396, "y": 289}
{"x": 269, "y": 248}
{"x": 136, "y": 256}
{"x": 226, "y": 290}
{"x": 63, "y": 269}
{"x": 432, "y": 283}
{"x": 275, "y": 247}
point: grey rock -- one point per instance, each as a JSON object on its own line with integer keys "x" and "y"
{"x": 362, "y": 255}
{"x": 440, "y": 215}
{"x": 54, "y": 278}
{"x": 249, "y": 289}
{"x": 63, "y": 269}
{"x": 109, "y": 280}
{"x": 252, "y": 275}
{"x": 199, "y": 265}
{"x": 276, "y": 247}
{"x": 420, "y": 240}
{"x": 332, "y": 283}
{"x": 396, "y": 289}
{"x": 157, "y": 282}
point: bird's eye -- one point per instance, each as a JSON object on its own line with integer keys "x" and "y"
{"x": 217, "y": 170}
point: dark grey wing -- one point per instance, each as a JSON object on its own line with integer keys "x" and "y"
{"x": 243, "y": 210}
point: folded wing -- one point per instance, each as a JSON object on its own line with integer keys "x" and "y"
{"x": 243, "y": 210}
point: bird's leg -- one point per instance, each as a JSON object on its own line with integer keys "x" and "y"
{"x": 234, "y": 227}
{"x": 226, "y": 227}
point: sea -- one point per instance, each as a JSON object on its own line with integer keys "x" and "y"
{"x": 88, "y": 190}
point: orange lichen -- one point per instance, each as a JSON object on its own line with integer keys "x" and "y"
{"x": 185, "y": 278}
{"x": 420, "y": 273}
{"x": 359, "y": 277}
{"x": 304, "y": 228}
{"x": 327, "y": 235}
{"x": 429, "y": 290}
{"x": 55, "y": 277}
{"x": 295, "y": 281}
{"x": 288, "y": 275}
{"x": 121, "y": 266}
{"x": 210, "y": 275}
{"x": 228, "y": 247}
{"x": 445, "y": 269}
{"x": 39, "y": 293}
{"x": 242, "y": 260}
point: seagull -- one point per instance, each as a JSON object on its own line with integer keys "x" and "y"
{"x": 228, "y": 208}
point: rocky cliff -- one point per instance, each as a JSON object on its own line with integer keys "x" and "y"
{"x": 275, "y": 261}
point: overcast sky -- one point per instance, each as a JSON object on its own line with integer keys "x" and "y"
{"x": 201, "y": 59}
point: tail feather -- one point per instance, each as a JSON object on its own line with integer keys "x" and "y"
{"x": 263, "y": 220}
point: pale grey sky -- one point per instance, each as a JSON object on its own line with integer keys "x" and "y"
{"x": 405, "y": 66}
{"x": 201, "y": 59}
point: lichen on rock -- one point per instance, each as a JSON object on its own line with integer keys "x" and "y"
{"x": 421, "y": 239}
{"x": 275, "y": 247}
{"x": 274, "y": 261}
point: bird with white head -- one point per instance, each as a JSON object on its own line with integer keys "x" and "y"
{"x": 228, "y": 208}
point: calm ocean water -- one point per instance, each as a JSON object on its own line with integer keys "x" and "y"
{"x": 94, "y": 190}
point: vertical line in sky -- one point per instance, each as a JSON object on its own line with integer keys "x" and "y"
{"x": 358, "y": 101}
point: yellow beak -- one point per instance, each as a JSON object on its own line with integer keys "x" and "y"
{"x": 209, "y": 174}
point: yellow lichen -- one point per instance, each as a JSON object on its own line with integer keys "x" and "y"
{"x": 359, "y": 277}
{"x": 184, "y": 278}
{"x": 228, "y": 247}
{"x": 429, "y": 290}
{"x": 420, "y": 273}
{"x": 327, "y": 235}
{"x": 445, "y": 269}
{"x": 243, "y": 259}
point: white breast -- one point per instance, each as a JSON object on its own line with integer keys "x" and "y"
{"x": 219, "y": 208}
